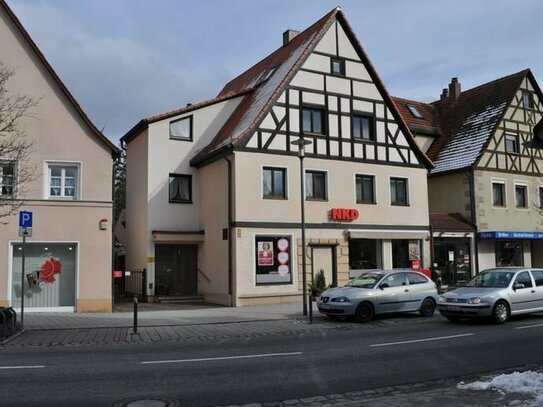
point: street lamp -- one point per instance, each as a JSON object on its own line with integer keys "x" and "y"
{"x": 301, "y": 143}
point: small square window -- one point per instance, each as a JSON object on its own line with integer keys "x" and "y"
{"x": 7, "y": 179}
{"x": 338, "y": 67}
{"x": 313, "y": 120}
{"x": 274, "y": 183}
{"x": 540, "y": 197}
{"x": 527, "y": 100}
{"x": 498, "y": 194}
{"x": 511, "y": 143}
{"x": 315, "y": 185}
{"x": 362, "y": 127}
{"x": 520, "y": 196}
{"x": 365, "y": 189}
{"x": 181, "y": 129}
{"x": 180, "y": 188}
{"x": 399, "y": 192}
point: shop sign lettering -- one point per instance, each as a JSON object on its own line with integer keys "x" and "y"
{"x": 343, "y": 214}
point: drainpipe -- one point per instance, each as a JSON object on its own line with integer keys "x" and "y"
{"x": 473, "y": 220}
{"x": 230, "y": 233}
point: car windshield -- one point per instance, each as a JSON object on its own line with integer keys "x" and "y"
{"x": 366, "y": 280}
{"x": 492, "y": 278}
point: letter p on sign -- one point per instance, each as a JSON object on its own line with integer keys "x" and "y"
{"x": 25, "y": 219}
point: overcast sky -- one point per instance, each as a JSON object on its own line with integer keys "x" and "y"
{"x": 124, "y": 60}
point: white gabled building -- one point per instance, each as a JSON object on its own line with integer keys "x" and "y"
{"x": 213, "y": 189}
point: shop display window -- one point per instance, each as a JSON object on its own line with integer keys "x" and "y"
{"x": 365, "y": 254}
{"x": 404, "y": 252}
{"x": 50, "y": 275}
{"x": 273, "y": 260}
{"x": 509, "y": 253}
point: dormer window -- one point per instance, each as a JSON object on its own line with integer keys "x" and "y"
{"x": 415, "y": 112}
{"x": 181, "y": 129}
{"x": 338, "y": 67}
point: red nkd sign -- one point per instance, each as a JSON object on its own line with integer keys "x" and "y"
{"x": 343, "y": 214}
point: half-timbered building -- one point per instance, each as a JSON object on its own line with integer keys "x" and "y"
{"x": 216, "y": 190}
{"x": 486, "y": 172}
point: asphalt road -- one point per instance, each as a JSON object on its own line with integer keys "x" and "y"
{"x": 260, "y": 369}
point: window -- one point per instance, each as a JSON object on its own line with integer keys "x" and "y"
{"x": 312, "y": 120}
{"x": 273, "y": 183}
{"x": 399, "y": 191}
{"x": 181, "y": 129}
{"x": 527, "y": 100}
{"x": 395, "y": 280}
{"x": 273, "y": 260}
{"x": 365, "y": 189}
{"x": 498, "y": 194}
{"x": 524, "y": 279}
{"x": 509, "y": 253}
{"x": 338, "y": 67}
{"x": 365, "y": 254}
{"x": 538, "y": 277}
{"x": 511, "y": 143}
{"x": 63, "y": 181}
{"x": 415, "y": 111}
{"x": 520, "y": 196}
{"x": 540, "y": 197}
{"x": 416, "y": 278}
{"x": 180, "y": 188}
{"x": 362, "y": 127}
{"x": 7, "y": 179}
{"x": 315, "y": 185}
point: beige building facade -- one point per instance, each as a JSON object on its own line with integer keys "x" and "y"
{"x": 215, "y": 193}
{"x": 68, "y": 257}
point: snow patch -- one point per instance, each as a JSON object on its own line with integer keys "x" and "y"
{"x": 528, "y": 383}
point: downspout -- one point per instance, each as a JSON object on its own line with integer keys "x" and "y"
{"x": 473, "y": 220}
{"x": 230, "y": 231}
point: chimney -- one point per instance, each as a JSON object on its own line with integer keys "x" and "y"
{"x": 454, "y": 89}
{"x": 444, "y": 94}
{"x": 288, "y": 35}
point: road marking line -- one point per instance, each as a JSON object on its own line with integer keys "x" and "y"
{"x": 529, "y": 326}
{"x": 21, "y": 367}
{"x": 419, "y": 340}
{"x": 266, "y": 355}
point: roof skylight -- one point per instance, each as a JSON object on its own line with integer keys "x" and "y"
{"x": 415, "y": 112}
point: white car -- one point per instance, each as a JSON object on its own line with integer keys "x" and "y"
{"x": 381, "y": 292}
{"x": 497, "y": 293}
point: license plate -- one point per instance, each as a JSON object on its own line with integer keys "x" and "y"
{"x": 453, "y": 308}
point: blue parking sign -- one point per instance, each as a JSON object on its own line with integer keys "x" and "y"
{"x": 25, "y": 219}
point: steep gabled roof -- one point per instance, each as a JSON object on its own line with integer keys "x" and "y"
{"x": 425, "y": 125}
{"x": 278, "y": 69}
{"x": 56, "y": 78}
{"x": 465, "y": 126}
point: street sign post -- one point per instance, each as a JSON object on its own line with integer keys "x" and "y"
{"x": 25, "y": 230}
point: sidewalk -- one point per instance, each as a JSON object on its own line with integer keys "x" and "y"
{"x": 158, "y": 323}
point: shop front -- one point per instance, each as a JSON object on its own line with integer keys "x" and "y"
{"x": 511, "y": 248}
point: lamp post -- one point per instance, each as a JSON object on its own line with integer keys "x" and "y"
{"x": 301, "y": 143}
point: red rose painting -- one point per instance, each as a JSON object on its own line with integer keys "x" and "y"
{"x": 49, "y": 268}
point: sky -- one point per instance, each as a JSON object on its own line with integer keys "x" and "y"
{"x": 125, "y": 60}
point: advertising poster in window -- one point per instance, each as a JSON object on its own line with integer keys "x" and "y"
{"x": 273, "y": 260}
{"x": 414, "y": 250}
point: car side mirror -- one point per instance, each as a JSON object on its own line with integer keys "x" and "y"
{"x": 383, "y": 286}
{"x": 518, "y": 286}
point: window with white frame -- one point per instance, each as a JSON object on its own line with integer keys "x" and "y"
{"x": 399, "y": 192}
{"x": 63, "y": 181}
{"x": 498, "y": 193}
{"x": 520, "y": 195}
{"x": 7, "y": 178}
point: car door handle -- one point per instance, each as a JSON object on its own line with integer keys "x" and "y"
{"x": 406, "y": 290}
{"x": 533, "y": 291}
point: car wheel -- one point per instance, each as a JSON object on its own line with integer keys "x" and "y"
{"x": 364, "y": 312}
{"x": 453, "y": 319}
{"x": 427, "y": 308}
{"x": 500, "y": 313}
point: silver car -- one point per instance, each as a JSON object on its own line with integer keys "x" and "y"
{"x": 381, "y": 292}
{"x": 497, "y": 293}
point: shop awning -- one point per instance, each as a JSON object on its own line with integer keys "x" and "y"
{"x": 510, "y": 235}
{"x": 169, "y": 236}
{"x": 387, "y": 234}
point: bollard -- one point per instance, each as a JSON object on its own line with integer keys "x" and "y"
{"x": 135, "y": 327}
{"x": 3, "y": 319}
{"x": 310, "y": 306}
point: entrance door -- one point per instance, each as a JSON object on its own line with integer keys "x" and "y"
{"x": 324, "y": 259}
{"x": 176, "y": 270}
